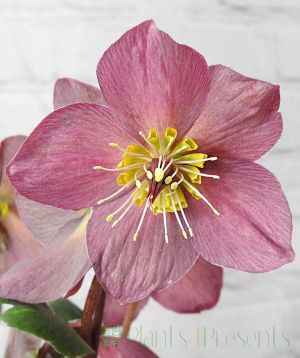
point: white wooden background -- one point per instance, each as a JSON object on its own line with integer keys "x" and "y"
{"x": 41, "y": 40}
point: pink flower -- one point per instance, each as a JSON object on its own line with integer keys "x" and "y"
{"x": 203, "y": 282}
{"x": 167, "y": 165}
{"x": 28, "y": 268}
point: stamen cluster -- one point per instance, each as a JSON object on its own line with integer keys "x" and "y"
{"x": 161, "y": 172}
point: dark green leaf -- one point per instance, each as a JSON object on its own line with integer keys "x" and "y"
{"x": 45, "y": 324}
{"x": 66, "y": 310}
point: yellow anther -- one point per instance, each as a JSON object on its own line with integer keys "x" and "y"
{"x": 168, "y": 180}
{"x": 149, "y": 174}
{"x": 113, "y": 144}
{"x": 174, "y": 185}
{"x": 97, "y": 167}
{"x": 109, "y": 217}
{"x": 159, "y": 174}
{"x": 4, "y": 209}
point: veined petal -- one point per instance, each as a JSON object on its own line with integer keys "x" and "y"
{"x": 113, "y": 347}
{"x": 158, "y": 83}
{"x": 114, "y": 313}
{"x": 196, "y": 291}
{"x": 45, "y": 221}
{"x": 131, "y": 270}
{"x": 68, "y": 91}
{"x": 49, "y": 274}
{"x": 55, "y": 164}
{"x": 240, "y": 118}
{"x": 253, "y": 231}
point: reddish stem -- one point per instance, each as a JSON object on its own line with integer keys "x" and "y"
{"x": 92, "y": 315}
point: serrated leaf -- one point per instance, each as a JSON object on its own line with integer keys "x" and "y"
{"x": 66, "y": 310}
{"x": 45, "y": 324}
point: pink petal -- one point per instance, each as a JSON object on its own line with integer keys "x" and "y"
{"x": 8, "y": 149}
{"x": 21, "y": 243}
{"x": 68, "y": 91}
{"x": 131, "y": 270}
{"x": 21, "y": 344}
{"x": 114, "y": 313}
{"x": 253, "y": 231}
{"x": 45, "y": 222}
{"x": 153, "y": 81}
{"x": 49, "y": 274}
{"x": 55, "y": 164}
{"x": 198, "y": 290}
{"x": 240, "y": 118}
{"x": 113, "y": 347}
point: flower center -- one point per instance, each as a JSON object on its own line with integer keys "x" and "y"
{"x": 163, "y": 172}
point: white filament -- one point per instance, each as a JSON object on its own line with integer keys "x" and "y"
{"x": 177, "y": 216}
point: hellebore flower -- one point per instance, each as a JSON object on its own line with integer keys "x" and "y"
{"x": 203, "y": 282}
{"x": 28, "y": 268}
{"x": 167, "y": 164}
